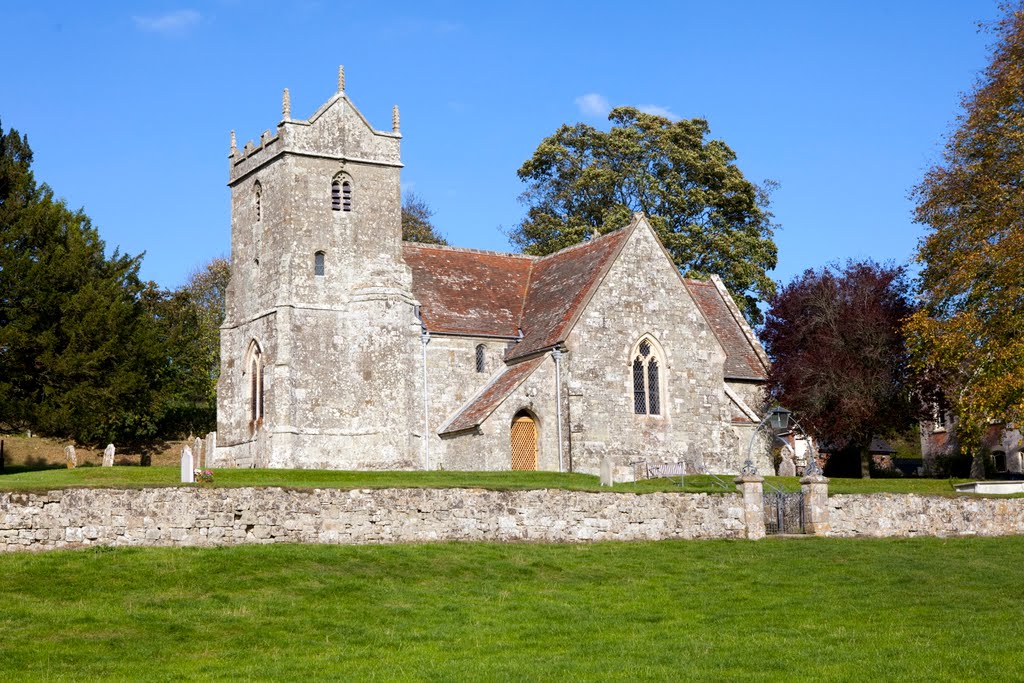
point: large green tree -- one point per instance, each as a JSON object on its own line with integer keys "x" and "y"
{"x": 582, "y": 182}
{"x": 188, "y": 322}
{"x": 969, "y": 332}
{"x": 77, "y": 348}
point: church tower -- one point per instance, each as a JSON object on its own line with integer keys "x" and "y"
{"x": 320, "y": 337}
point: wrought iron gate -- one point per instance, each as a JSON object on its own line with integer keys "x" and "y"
{"x": 783, "y": 512}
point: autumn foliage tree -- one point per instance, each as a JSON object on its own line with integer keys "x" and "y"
{"x": 583, "y": 182}
{"x": 838, "y": 355}
{"x": 969, "y": 332}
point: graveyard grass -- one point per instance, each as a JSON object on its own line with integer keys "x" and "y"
{"x": 815, "y": 609}
{"x": 134, "y": 477}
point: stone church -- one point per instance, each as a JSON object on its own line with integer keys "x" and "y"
{"x": 344, "y": 347}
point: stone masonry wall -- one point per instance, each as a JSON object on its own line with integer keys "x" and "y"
{"x": 221, "y": 516}
{"x": 640, "y": 295}
{"x": 887, "y": 515}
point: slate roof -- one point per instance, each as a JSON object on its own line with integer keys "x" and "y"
{"x": 741, "y": 358}
{"x": 483, "y": 404}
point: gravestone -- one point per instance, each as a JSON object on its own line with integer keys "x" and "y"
{"x": 199, "y": 453}
{"x": 209, "y": 449}
{"x": 787, "y": 468}
{"x": 108, "y": 455}
{"x": 188, "y": 475}
{"x": 71, "y": 457}
{"x": 607, "y": 478}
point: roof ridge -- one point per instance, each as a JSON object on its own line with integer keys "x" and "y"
{"x": 580, "y": 245}
{"x": 468, "y": 250}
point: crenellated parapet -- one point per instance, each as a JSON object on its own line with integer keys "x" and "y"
{"x": 336, "y": 131}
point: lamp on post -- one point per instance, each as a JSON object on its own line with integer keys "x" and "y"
{"x": 779, "y": 418}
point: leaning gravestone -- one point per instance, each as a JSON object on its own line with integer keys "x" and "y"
{"x": 787, "y": 468}
{"x": 108, "y": 455}
{"x": 198, "y": 453}
{"x": 188, "y": 475}
{"x": 69, "y": 455}
{"x": 606, "y": 472}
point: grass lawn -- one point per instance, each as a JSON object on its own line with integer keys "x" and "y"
{"x": 23, "y": 479}
{"x": 816, "y": 609}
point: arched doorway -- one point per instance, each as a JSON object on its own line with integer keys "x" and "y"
{"x": 524, "y": 441}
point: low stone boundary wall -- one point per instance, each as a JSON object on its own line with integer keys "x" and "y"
{"x": 196, "y": 516}
{"x": 889, "y": 514}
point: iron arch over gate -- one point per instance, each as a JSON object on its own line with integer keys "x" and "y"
{"x": 523, "y": 441}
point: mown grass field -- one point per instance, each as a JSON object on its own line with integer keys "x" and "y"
{"x": 170, "y": 476}
{"x": 816, "y": 609}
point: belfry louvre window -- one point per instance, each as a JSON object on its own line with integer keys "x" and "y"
{"x": 318, "y": 263}
{"x": 480, "y": 351}
{"x": 336, "y": 196}
{"x": 646, "y": 380}
{"x": 346, "y": 196}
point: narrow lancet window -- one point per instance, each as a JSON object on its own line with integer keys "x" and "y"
{"x": 480, "y": 351}
{"x": 346, "y": 196}
{"x": 318, "y": 263}
{"x": 258, "y": 202}
{"x": 255, "y": 368}
{"x": 336, "y": 196}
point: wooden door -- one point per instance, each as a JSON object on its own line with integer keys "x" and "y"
{"x": 524, "y": 443}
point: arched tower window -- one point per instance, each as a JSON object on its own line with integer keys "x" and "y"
{"x": 481, "y": 350}
{"x": 254, "y": 366}
{"x": 318, "y": 263}
{"x": 346, "y": 196}
{"x": 336, "y": 195}
{"x": 258, "y": 201}
{"x": 341, "y": 193}
{"x": 646, "y": 366}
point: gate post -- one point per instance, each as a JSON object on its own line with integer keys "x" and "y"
{"x": 815, "y": 490}
{"x": 750, "y": 485}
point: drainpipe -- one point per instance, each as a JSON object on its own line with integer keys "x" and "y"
{"x": 424, "y": 340}
{"x": 556, "y": 354}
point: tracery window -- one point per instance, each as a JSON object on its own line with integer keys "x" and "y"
{"x": 318, "y": 263}
{"x": 481, "y": 350}
{"x": 646, "y": 379}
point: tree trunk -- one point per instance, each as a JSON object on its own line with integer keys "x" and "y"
{"x": 865, "y": 461}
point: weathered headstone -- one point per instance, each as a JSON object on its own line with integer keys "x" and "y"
{"x": 188, "y": 474}
{"x": 209, "y": 450}
{"x": 606, "y": 472}
{"x": 108, "y": 455}
{"x": 198, "y": 452}
{"x": 787, "y": 468}
{"x": 71, "y": 457}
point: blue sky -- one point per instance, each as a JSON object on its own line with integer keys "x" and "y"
{"x": 128, "y": 106}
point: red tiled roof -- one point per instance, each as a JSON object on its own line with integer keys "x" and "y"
{"x": 462, "y": 291}
{"x": 741, "y": 359}
{"x": 559, "y": 285}
{"x": 480, "y": 407}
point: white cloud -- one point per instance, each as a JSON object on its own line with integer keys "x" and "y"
{"x": 169, "y": 23}
{"x": 593, "y": 104}
{"x": 656, "y": 110}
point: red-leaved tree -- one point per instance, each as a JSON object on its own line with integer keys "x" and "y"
{"x": 839, "y": 360}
